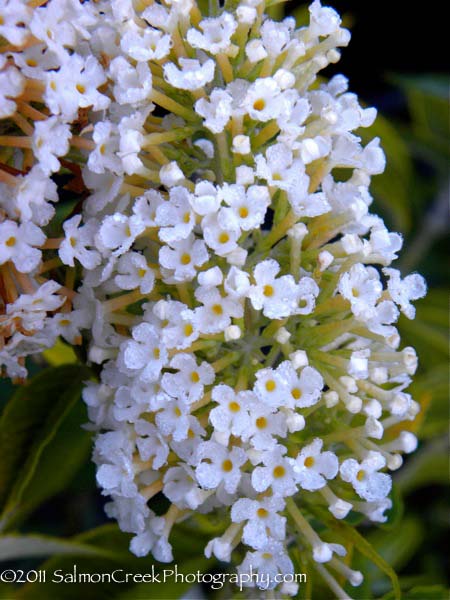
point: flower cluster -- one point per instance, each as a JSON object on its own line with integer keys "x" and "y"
{"x": 235, "y": 291}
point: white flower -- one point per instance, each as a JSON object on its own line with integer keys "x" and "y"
{"x": 144, "y": 353}
{"x": 216, "y": 112}
{"x": 171, "y": 174}
{"x": 175, "y": 217}
{"x": 144, "y": 44}
{"x": 133, "y": 84}
{"x": 307, "y": 292}
{"x": 31, "y": 309}
{"x": 271, "y": 387}
{"x": 29, "y": 201}
{"x": 18, "y": 244}
{"x": 192, "y": 76}
{"x": 181, "y": 488}
{"x": 69, "y": 325}
{"x": 118, "y": 232}
{"x": 216, "y": 36}
{"x": 12, "y": 84}
{"x": 323, "y": 552}
{"x": 312, "y": 466}
{"x": 224, "y": 466}
{"x": 142, "y": 543}
{"x": 262, "y": 101}
{"x": 201, "y": 264}
{"x": 75, "y": 85}
{"x": 15, "y": 16}
{"x": 276, "y": 473}
{"x": 222, "y": 240}
{"x": 151, "y": 444}
{"x": 275, "y": 297}
{"x": 364, "y": 476}
{"x": 362, "y": 287}
{"x": 50, "y": 140}
{"x": 263, "y": 520}
{"x": 134, "y": 272}
{"x": 402, "y": 291}
{"x": 216, "y": 312}
{"x": 76, "y": 242}
{"x": 265, "y": 424}
{"x": 241, "y": 144}
{"x": 269, "y": 561}
{"x": 182, "y": 258}
{"x": 104, "y": 157}
{"x": 231, "y": 416}
{"x": 303, "y": 390}
{"x": 173, "y": 419}
{"x": 247, "y": 207}
{"x": 324, "y": 20}
{"x": 205, "y": 199}
{"x": 190, "y": 380}
{"x": 131, "y": 133}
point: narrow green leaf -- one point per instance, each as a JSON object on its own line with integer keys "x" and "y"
{"x": 351, "y": 535}
{"x": 13, "y": 547}
{"x": 423, "y": 592}
{"x": 60, "y": 460}
{"x": 28, "y": 424}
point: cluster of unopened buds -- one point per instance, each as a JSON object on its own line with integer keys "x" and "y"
{"x": 219, "y": 264}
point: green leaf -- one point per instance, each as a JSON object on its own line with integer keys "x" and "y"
{"x": 400, "y": 544}
{"x": 351, "y": 535}
{"x": 28, "y": 424}
{"x": 423, "y": 592}
{"x": 61, "y": 459}
{"x": 14, "y": 547}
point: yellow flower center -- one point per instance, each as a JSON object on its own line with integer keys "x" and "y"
{"x": 217, "y": 309}
{"x": 279, "y": 471}
{"x": 296, "y": 393}
{"x": 227, "y": 465}
{"x": 309, "y": 462}
{"x": 261, "y": 422}
{"x": 259, "y": 104}
{"x": 270, "y": 385}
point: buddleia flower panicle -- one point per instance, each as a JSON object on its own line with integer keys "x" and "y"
{"x": 220, "y": 266}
